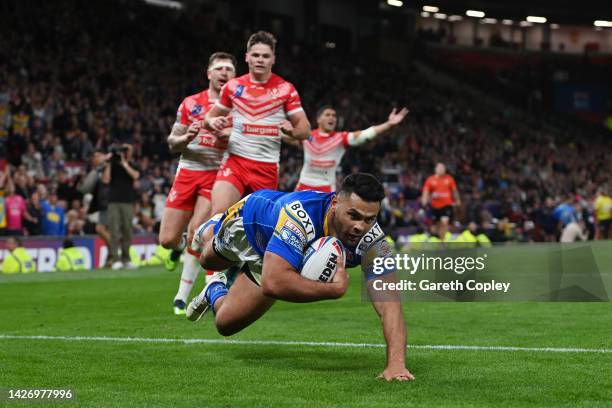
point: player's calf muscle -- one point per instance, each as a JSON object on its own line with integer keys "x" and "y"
{"x": 172, "y": 226}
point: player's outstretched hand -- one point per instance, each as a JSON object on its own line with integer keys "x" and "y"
{"x": 396, "y": 117}
{"x": 286, "y": 127}
{"x": 400, "y": 374}
{"x": 340, "y": 279}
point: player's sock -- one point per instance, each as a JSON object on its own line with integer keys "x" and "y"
{"x": 191, "y": 267}
{"x": 215, "y": 291}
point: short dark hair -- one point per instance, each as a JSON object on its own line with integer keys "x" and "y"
{"x": 262, "y": 37}
{"x": 365, "y": 185}
{"x": 68, "y": 243}
{"x": 323, "y": 109}
{"x": 222, "y": 55}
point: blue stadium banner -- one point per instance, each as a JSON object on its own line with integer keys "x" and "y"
{"x": 580, "y": 99}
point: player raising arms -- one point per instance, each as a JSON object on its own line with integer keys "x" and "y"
{"x": 188, "y": 204}
{"x": 325, "y": 147}
{"x": 262, "y": 104}
{"x": 269, "y": 231}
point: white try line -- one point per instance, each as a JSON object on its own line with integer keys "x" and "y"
{"x": 328, "y": 344}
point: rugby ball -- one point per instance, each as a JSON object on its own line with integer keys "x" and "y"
{"x": 321, "y": 259}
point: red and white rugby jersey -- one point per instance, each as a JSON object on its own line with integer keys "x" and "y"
{"x": 257, "y": 110}
{"x": 205, "y": 152}
{"x": 322, "y": 155}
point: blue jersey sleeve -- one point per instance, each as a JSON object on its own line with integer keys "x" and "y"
{"x": 289, "y": 239}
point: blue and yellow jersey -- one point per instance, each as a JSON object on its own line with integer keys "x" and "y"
{"x": 286, "y": 223}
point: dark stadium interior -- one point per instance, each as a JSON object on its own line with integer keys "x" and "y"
{"x": 74, "y": 75}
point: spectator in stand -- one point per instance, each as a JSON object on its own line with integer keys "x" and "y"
{"x": 33, "y": 162}
{"x": 23, "y": 185}
{"x": 14, "y": 208}
{"x": 33, "y": 225}
{"x": 16, "y": 212}
{"x": 75, "y": 219}
{"x": 55, "y": 164}
{"x": 53, "y": 219}
{"x": 66, "y": 190}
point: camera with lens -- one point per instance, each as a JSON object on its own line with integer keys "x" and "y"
{"x": 115, "y": 151}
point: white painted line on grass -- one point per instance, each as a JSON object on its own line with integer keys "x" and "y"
{"x": 302, "y": 343}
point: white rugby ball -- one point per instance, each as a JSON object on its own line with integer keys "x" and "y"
{"x": 321, "y": 259}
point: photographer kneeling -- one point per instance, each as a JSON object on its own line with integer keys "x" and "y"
{"x": 120, "y": 175}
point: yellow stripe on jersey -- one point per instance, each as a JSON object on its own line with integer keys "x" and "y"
{"x": 286, "y": 220}
{"x": 234, "y": 210}
{"x": 326, "y": 222}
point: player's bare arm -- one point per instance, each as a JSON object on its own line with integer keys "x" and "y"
{"x": 389, "y": 308}
{"x": 394, "y": 119}
{"x": 281, "y": 281}
{"x": 181, "y": 135}
{"x": 297, "y": 127}
{"x": 216, "y": 119}
{"x": 425, "y": 198}
{"x": 224, "y": 133}
{"x": 291, "y": 141}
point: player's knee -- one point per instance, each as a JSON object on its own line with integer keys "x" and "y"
{"x": 168, "y": 241}
{"x": 227, "y": 329}
{"x": 204, "y": 260}
{"x": 224, "y": 326}
{"x": 268, "y": 288}
{"x": 209, "y": 259}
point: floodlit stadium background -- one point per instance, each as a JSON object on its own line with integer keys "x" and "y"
{"x": 518, "y": 108}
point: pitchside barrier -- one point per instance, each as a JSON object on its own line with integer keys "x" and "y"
{"x": 44, "y": 250}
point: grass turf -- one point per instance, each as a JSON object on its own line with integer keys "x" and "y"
{"x": 138, "y": 304}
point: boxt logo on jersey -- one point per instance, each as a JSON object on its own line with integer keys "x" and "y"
{"x": 300, "y": 213}
{"x": 371, "y": 236}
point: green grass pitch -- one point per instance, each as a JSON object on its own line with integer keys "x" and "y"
{"x": 153, "y": 372}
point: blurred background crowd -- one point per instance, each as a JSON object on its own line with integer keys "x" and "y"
{"x": 76, "y": 84}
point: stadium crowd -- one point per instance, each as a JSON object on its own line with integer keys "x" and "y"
{"x": 64, "y": 97}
